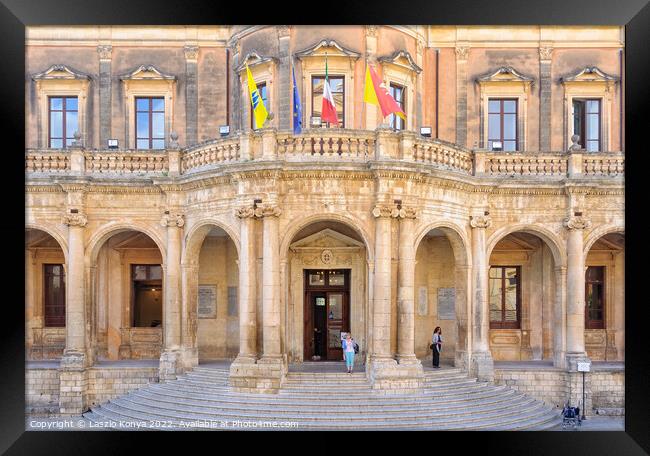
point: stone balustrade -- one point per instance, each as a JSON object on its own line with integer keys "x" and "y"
{"x": 327, "y": 145}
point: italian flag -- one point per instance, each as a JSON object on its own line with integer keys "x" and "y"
{"x": 328, "y": 111}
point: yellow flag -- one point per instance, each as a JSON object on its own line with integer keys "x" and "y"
{"x": 369, "y": 95}
{"x": 259, "y": 110}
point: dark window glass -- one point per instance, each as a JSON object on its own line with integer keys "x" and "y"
{"x": 146, "y": 285}
{"x": 504, "y": 296}
{"x": 595, "y": 297}
{"x": 586, "y": 123}
{"x": 150, "y": 123}
{"x": 502, "y": 123}
{"x": 54, "y": 295}
{"x": 337, "y": 86}
{"x": 398, "y": 93}
{"x": 63, "y": 121}
{"x": 264, "y": 95}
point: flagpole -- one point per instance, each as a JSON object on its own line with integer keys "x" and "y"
{"x": 363, "y": 103}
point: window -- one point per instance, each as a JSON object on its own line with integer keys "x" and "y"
{"x": 265, "y": 99}
{"x": 63, "y": 115}
{"x": 586, "y": 123}
{"x": 504, "y": 296}
{"x": 502, "y": 123}
{"x": 337, "y": 86}
{"x": 398, "y": 93}
{"x": 595, "y": 297}
{"x": 150, "y": 123}
{"x": 146, "y": 286}
{"x": 54, "y": 295}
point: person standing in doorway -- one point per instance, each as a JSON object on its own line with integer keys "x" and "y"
{"x": 436, "y": 344}
{"x": 348, "y": 352}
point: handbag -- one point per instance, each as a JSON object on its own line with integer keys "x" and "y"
{"x": 431, "y": 347}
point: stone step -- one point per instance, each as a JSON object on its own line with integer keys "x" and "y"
{"x": 529, "y": 417}
{"x": 342, "y": 408}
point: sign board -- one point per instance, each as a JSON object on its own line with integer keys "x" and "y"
{"x": 446, "y": 303}
{"x": 207, "y": 301}
{"x": 423, "y": 305}
{"x": 584, "y": 367}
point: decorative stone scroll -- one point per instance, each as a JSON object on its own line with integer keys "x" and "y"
{"x": 267, "y": 210}
{"x": 406, "y": 213}
{"x": 480, "y": 221}
{"x": 383, "y": 211}
{"x": 577, "y": 223}
{"x": 245, "y": 212}
{"x": 169, "y": 220}
{"x": 75, "y": 220}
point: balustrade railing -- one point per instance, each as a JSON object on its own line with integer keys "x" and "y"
{"x": 212, "y": 153}
{"x": 440, "y": 154}
{"x": 323, "y": 144}
{"x": 130, "y": 162}
{"x": 603, "y": 165}
{"x": 526, "y": 164}
{"x": 46, "y": 162}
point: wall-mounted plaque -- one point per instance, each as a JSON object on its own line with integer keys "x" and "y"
{"x": 423, "y": 305}
{"x": 446, "y": 303}
{"x": 207, "y": 301}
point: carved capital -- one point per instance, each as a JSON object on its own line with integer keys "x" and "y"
{"x": 191, "y": 52}
{"x": 545, "y": 53}
{"x": 420, "y": 46}
{"x": 245, "y": 212}
{"x": 268, "y": 210}
{"x": 462, "y": 52}
{"x": 75, "y": 220}
{"x": 105, "y": 51}
{"x": 407, "y": 213}
{"x": 371, "y": 30}
{"x": 480, "y": 221}
{"x": 235, "y": 46}
{"x": 383, "y": 211}
{"x": 284, "y": 31}
{"x": 170, "y": 220}
{"x": 577, "y": 223}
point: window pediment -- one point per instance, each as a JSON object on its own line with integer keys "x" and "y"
{"x": 401, "y": 59}
{"x": 589, "y": 74}
{"x": 253, "y": 59}
{"x": 60, "y": 72}
{"x": 504, "y": 74}
{"x": 329, "y": 47}
{"x": 326, "y": 238}
{"x": 147, "y": 72}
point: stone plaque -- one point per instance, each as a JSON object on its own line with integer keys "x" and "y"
{"x": 207, "y": 301}
{"x": 446, "y": 303}
{"x": 423, "y": 305}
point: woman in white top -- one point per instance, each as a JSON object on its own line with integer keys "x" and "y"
{"x": 436, "y": 343}
{"x": 348, "y": 352}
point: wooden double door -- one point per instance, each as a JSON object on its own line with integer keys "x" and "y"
{"x": 326, "y": 313}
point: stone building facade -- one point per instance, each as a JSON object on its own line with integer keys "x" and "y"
{"x": 181, "y": 245}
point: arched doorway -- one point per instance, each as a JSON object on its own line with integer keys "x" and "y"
{"x": 605, "y": 298}
{"x": 441, "y": 295}
{"x": 326, "y": 277}
{"x": 126, "y": 285}
{"x": 45, "y": 295}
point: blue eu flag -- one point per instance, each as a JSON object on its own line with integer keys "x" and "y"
{"x": 297, "y": 107}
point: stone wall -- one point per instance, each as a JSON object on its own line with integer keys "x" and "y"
{"x": 42, "y": 391}
{"x": 608, "y": 392}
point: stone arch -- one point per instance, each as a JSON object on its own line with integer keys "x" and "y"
{"x": 457, "y": 237}
{"x": 196, "y": 234}
{"x": 58, "y": 237}
{"x": 599, "y": 232}
{"x": 350, "y": 221}
{"x": 549, "y": 237}
{"x": 105, "y": 232}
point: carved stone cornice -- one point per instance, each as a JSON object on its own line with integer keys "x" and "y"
{"x": 480, "y": 221}
{"x": 75, "y": 220}
{"x": 105, "y": 51}
{"x": 191, "y": 52}
{"x": 577, "y": 223}
{"x": 462, "y": 52}
{"x": 245, "y": 212}
{"x": 545, "y": 52}
{"x": 268, "y": 210}
{"x": 171, "y": 220}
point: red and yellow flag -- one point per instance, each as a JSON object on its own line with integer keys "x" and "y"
{"x": 376, "y": 93}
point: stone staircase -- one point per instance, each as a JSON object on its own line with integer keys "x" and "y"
{"x": 450, "y": 400}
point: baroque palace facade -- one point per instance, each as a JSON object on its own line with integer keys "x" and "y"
{"x": 151, "y": 236}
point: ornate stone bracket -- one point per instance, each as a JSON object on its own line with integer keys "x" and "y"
{"x": 169, "y": 220}
{"x": 480, "y": 221}
{"x": 75, "y": 220}
{"x": 545, "y": 53}
{"x": 577, "y": 223}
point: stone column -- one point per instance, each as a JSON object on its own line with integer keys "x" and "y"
{"x": 382, "y": 282}
{"x": 406, "y": 291}
{"x": 105, "y": 100}
{"x": 462, "y": 52}
{"x": 575, "y": 311}
{"x": 72, "y": 370}
{"x": 247, "y": 280}
{"x": 559, "y": 318}
{"x": 170, "y": 362}
{"x": 270, "y": 281}
{"x": 481, "y": 364}
{"x": 191, "y": 95}
{"x": 284, "y": 79}
{"x": 545, "y": 83}
{"x": 189, "y": 318}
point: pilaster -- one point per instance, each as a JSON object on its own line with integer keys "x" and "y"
{"x": 462, "y": 54}
{"x": 191, "y": 94}
{"x": 105, "y": 53}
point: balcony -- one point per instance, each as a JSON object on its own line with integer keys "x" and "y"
{"x": 357, "y": 148}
